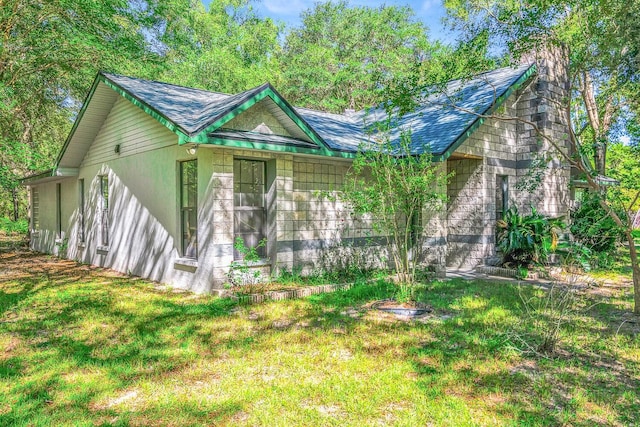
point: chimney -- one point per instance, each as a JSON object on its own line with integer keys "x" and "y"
{"x": 544, "y": 103}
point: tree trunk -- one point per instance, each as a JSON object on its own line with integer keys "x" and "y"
{"x": 600, "y": 155}
{"x": 636, "y": 271}
{"x": 14, "y": 195}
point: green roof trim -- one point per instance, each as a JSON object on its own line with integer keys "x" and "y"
{"x": 236, "y": 143}
{"x": 480, "y": 120}
{"x": 198, "y": 128}
{"x": 268, "y": 91}
{"x": 146, "y": 108}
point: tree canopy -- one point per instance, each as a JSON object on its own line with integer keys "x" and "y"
{"x": 49, "y": 54}
{"x": 341, "y": 57}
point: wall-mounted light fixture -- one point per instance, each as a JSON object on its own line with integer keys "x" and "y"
{"x": 117, "y": 149}
{"x": 192, "y": 150}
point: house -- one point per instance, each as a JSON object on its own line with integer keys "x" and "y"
{"x": 158, "y": 180}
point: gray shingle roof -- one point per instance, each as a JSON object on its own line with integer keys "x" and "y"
{"x": 190, "y": 109}
{"x": 435, "y": 125}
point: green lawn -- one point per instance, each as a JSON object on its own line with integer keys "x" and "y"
{"x": 83, "y": 346}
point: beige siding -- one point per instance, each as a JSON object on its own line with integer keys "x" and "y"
{"x": 134, "y": 130}
{"x": 259, "y": 119}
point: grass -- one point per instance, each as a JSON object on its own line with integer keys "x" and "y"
{"x": 84, "y": 346}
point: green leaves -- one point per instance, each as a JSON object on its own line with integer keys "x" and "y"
{"x": 526, "y": 239}
{"x": 228, "y": 49}
{"x": 342, "y": 56}
{"x": 399, "y": 193}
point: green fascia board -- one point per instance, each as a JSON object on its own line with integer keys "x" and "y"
{"x": 473, "y": 127}
{"x": 235, "y": 143}
{"x": 268, "y": 91}
{"x": 36, "y": 177}
{"x": 100, "y": 78}
{"x": 182, "y": 134}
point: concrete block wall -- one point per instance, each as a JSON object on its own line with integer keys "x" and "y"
{"x": 510, "y": 148}
{"x": 471, "y": 211}
{"x": 469, "y": 232}
{"x": 325, "y": 231}
{"x": 543, "y": 106}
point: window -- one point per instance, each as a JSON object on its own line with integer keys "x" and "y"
{"x": 189, "y": 208}
{"x": 81, "y": 237}
{"x": 104, "y": 210}
{"x": 249, "y": 219}
{"x": 502, "y": 195}
{"x": 35, "y": 209}
{"x": 59, "y": 210}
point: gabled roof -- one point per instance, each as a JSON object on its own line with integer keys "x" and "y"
{"x": 439, "y": 125}
{"x": 441, "y": 122}
{"x": 191, "y": 110}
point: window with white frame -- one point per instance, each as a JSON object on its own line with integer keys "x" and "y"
{"x": 250, "y": 218}
{"x": 189, "y": 208}
{"x": 104, "y": 210}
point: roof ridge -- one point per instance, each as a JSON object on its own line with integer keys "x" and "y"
{"x": 495, "y": 70}
{"x": 107, "y": 74}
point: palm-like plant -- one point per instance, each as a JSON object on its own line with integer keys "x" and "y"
{"x": 527, "y": 239}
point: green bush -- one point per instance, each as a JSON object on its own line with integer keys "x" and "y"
{"x": 592, "y": 227}
{"x": 20, "y": 226}
{"x": 526, "y": 239}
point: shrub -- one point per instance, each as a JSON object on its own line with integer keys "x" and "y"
{"x": 592, "y": 227}
{"x": 20, "y": 226}
{"x": 526, "y": 239}
{"x": 243, "y": 276}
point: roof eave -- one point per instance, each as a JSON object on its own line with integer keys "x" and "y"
{"x": 50, "y": 175}
{"x": 481, "y": 118}
{"x": 254, "y": 96}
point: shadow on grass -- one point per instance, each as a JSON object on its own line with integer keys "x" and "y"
{"x": 533, "y": 390}
{"x": 82, "y": 319}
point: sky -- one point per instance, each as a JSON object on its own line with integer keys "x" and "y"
{"x": 430, "y": 12}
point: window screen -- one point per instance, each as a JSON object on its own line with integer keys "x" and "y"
{"x": 189, "y": 208}
{"x": 249, "y": 220}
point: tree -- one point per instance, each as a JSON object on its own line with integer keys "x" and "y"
{"x": 342, "y": 56}
{"x": 604, "y": 56}
{"x": 50, "y": 52}
{"x": 227, "y": 49}
{"x": 399, "y": 191}
{"x": 602, "y": 73}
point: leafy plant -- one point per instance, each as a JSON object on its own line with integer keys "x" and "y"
{"x": 20, "y": 226}
{"x": 593, "y": 227}
{"x": 575, "y": 255}
{"x": 526, "y": 239}
{"x": 244, "y": 276}
{"x": 397, "y": 189}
